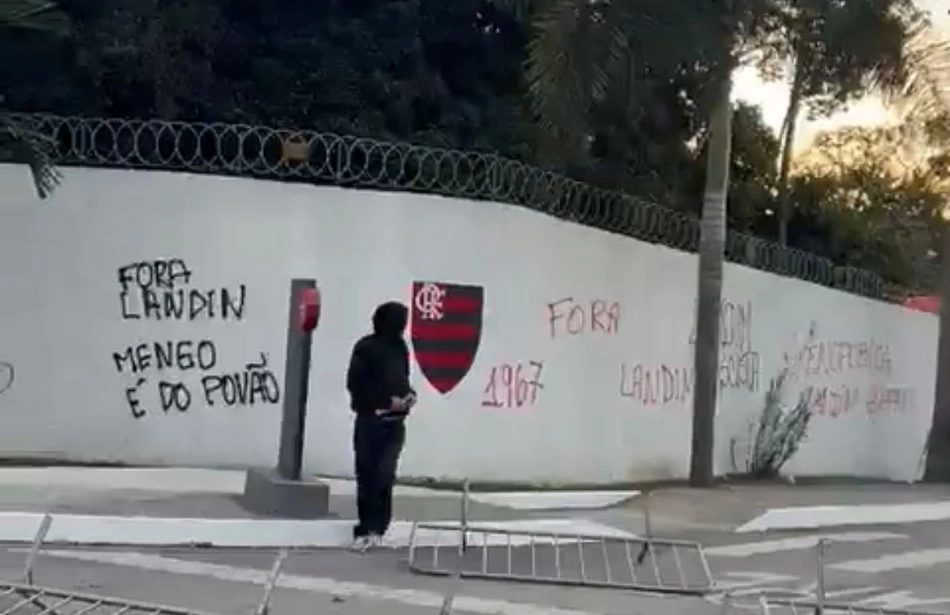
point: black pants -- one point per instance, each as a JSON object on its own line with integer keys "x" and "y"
{"x": 377, "y": 444}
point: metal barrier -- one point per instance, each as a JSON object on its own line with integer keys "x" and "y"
{"x": 642, "y": 563}
{"x": 18, "y": 599}
{"x": 671, "y": 566}
{"x": 820, "y": 605}
{"x": 28, "y": 599}
{"x": 775, "y": 606}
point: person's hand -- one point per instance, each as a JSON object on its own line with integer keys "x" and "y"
{"x": 410, "y": 401}
{"x": 397, "y": 404}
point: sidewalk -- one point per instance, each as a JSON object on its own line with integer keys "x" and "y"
{"x": 175, "y": 506}
{"x": 179, "y": 505}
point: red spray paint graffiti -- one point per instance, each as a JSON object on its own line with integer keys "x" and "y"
{"x": 513, "y": 385}
{"x": 824, "y": 367}
{"x": 567, "y": 316}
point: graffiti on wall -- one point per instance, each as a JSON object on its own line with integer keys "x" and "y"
{"x": 161, "y": 290}
{"x": 671, "y": 384}
{"x": 513, "y": 385}
{"x": 446, "y": 330}
{"x": 825, "y": 369}
{"x": 7, "y": 374}
{"x": 570, "y": 316}
{"x": 182, "y": 372}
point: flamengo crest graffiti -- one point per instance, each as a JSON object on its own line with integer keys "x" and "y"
{"x": 446, "y": 330}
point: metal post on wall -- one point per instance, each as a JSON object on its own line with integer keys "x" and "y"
{"x": 820, "y": 577}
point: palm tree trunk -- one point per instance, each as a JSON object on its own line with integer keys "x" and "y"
{"x": 788, "y": 141}
{"x": 937, "y": 468}
{"x": 709, "y": 292}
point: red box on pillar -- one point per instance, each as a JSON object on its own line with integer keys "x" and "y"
{"x": 308, "y": 309}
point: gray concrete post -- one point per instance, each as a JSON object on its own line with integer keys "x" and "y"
{"x": 283, "y": 491}
{"x": 296, "y": 386}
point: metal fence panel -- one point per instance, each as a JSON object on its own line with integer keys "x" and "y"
{"x": 670, "y": 566}
{"x": 778, "y": 606}
{"x": 16, "y": 599}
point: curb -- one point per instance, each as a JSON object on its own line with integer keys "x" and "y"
{"x": 183, "y": 481}
{"x": 19, "y": 527}
{"x": 811, "y": 517}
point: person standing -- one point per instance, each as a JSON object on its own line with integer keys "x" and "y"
{"x": 381, "y": 397}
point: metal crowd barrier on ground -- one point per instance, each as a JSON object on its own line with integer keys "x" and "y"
{"x": 639, "y": 563}
{"x": 820, "y": 605}
{"x": 305, "y": 155}
{"x": 26, "y": 598}
{"x": 21, "y": 599}
{"x": 656, "y": 565}
{"x": 802, "y": 607}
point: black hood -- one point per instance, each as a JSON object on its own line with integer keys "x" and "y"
{"x": 390, "y": 319}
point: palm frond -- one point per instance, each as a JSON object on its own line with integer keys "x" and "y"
{"x": 924, "y": 95}
{"x": 32, "y": 148}
{"x": 579, "y": 55}
{"x": 559, "y": 74}
{"x": 41, "y": 15}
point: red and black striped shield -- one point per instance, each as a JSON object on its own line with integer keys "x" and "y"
{"x": 446, "y": 330}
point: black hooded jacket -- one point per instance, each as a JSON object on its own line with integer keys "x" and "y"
{"x": 379, "y": 365}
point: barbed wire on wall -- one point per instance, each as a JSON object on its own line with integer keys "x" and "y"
{"x": 270, "y": 153}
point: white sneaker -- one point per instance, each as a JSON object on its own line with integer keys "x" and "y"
{"x": 361, "y": 543}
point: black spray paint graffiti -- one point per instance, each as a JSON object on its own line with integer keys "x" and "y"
{"x": 254, "y": 385}
{"x": 6, "y": 376}
{"x": 155, "y": 290}
{"x": 159, "y": 290}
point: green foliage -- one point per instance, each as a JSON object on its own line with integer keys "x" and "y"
{"x": 42, "y": 16}
{"x": 875, "y": 196}
{"x": 753, "y": 173}
{"x": 777, "y": 435}
{"x": 780, "y": 431}
{"x": 19, "y": 143}
{"x": 835, "y": 51}
{"x": 614, "y": 93}
{"x": 433, "y": 72}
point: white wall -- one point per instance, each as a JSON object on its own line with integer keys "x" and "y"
{"x": 599, "y": 417}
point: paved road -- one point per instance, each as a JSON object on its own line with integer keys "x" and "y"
{"x": 893, "y": 566}
{"x": 332, "y": 582}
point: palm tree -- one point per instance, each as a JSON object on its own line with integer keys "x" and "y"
{"x": 924, "y": 104}
{"x": 585, "y": 53}
{"x": 25, "y": 144}
{"x": 923, "y": 97}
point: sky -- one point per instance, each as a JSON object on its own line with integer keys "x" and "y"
{"x": 773, "y": 97}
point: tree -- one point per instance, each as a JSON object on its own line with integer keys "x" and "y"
{"x": 23, "y": 144}
{"x": 924, "y": 101}
{"x": 835, "y": 52}
{"x": 435, "y": 73}
{"x": 753, "y": 171}
{"x": 876, "y": 197}
{"x": 587, "y": 56}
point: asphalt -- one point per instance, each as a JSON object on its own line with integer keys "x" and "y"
{"x": 900, "y": 566}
